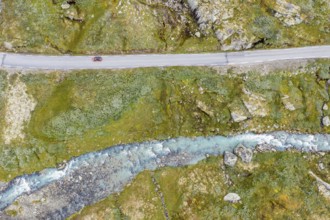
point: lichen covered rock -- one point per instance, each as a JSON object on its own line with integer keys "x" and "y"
{"x": 230, "y": 159}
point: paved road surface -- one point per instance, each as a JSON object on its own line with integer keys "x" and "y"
{"x": 66, "y": 62}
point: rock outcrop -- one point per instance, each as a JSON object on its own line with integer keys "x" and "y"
{"x": 289, "y": 14}
{"x": 216, "y": 17}
{"x": 18, "y": 111}
{"x": 255, "y": 104}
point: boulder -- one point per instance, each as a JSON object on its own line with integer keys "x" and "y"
{"x": 230, "y": 159}
{"x": 244, "y": 153}
{"x": 232, "y": 197}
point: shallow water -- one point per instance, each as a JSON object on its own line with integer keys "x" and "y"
{"x": 98, "y": 174}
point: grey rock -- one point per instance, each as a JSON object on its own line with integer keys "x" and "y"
{"x": 244, "y": 153}
{"x": 326, "y": 121}
{"x": 3, "y": 185}
{"x": 212, "y": 14}
{"x": 65, "y": 6}
{"x": 265, "y": 148}
{"x": 238, "y": 116}
{"x": 230, "y": 159}
{"x": 8, "y": 45}
{"x": 62, "y": 165}
{"x": 321, "y": 166}
{"x": 232, "y": 197}
{"x": 325, "y": 107}
{"x": 288, "y": 13}
{"x": 198, "y": 34}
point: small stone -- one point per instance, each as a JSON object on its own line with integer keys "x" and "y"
{"x": 201, "y": 90}
{"x": 230, "y": 159}
{"x": 324, "y": 191}
{"x": 321, "y": 166}
{"x": 62, "y": 165}
{"x": 198, "y": 34}
{"x": 237, "y": 117}
{"x": 204, "y": 108}
{"x": 321, "y": 153}
{"x": 244, "y": 153}
{"x": 326, "y": 121}
{"x": 232, "y": 197}
{"x": 3, "y": 185}
{"x": 8, "y": 45}
{"x": 287, "y": 104}
{"x": 325, "y": 107}
{"x": 65, "y": 6}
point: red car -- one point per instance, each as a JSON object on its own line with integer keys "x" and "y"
{"x": 97, "y": 59}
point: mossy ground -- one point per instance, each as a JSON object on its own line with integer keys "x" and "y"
{"x": 137, "y": 26}
{"x": 84, "y": 111}
{"x": 274, "y": 186}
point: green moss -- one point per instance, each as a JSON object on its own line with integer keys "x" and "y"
{"x": 3, "y": 87}
{"x": 105, "y": 209}
{"x": 275, "y": 186}
{"x": 137, "y": 26}
{"x": 139, "y": 200}
{"x": 59, "y": 102}
{"x": 280, "y": 187}
{"x": 11, "y": 213}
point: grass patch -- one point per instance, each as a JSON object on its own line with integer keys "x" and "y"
{"x": 276, "y": 185}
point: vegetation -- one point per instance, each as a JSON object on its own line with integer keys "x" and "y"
{"x": 84, "y": 111}
{"x": 274, "y": 186}
{"x": 138, "y": 26}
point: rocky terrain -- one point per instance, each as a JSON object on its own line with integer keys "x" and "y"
{"x": 228, "y": 142}
{"x": 52, "y": 117}
{"x": 140, "y": 26}
{"x": 68, "y": 114}
{"x": 274, "y": 185}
